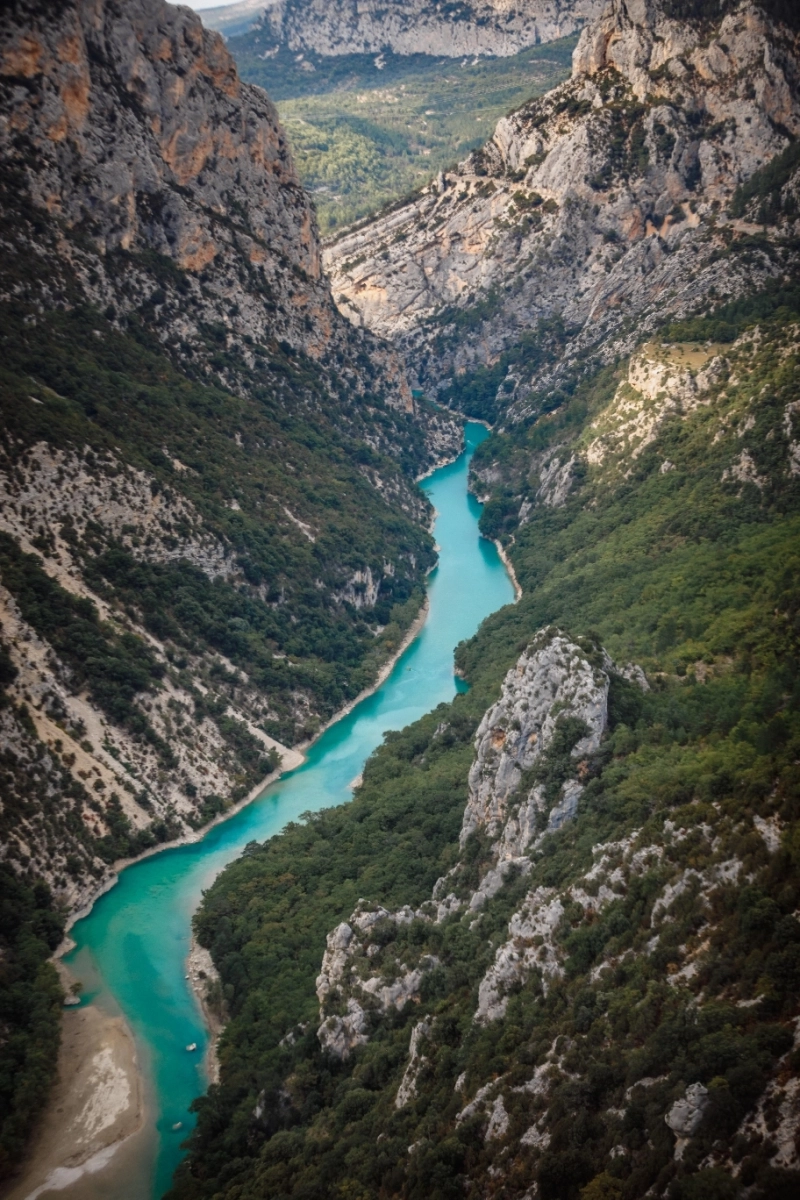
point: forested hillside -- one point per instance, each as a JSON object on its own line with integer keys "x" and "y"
{"x": 551, "y": 949}
{"x": 366, "y": 130}
{"x": 604, "y": 999}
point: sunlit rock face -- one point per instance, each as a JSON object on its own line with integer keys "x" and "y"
{"x": 602, "y": 204}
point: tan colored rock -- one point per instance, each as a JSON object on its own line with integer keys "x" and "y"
{"x": 547, "y": 222}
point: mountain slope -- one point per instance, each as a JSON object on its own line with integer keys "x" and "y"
{"x": 210, "y": 535}
{"x": 598, "y": 995}
{"x": 592, "y": 211}
{"x": 563, "y": 961}
{"x": 191, "y": 434}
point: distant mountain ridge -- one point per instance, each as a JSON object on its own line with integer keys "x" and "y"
{"x": 470, "y": 27}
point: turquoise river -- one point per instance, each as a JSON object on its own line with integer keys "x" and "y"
{"x": 131, "y": 950}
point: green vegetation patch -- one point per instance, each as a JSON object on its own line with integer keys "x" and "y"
{"x": 30, "y": 1009}
{"x": 296, "y": 443}
{"x": 114, "y": 666}
{"x": 762, "y": 195}
{"x": 363, "y": 135}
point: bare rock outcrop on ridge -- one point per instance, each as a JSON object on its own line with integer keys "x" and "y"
{"x": 551, "y": 681}
{"x": 554, "y": 689}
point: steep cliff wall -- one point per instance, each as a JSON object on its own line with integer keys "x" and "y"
{"x": 602, "y": 205}
{"x": 496, "y": 27}
{"x": 190, "y": 435}
{"x": 128, "y": 127}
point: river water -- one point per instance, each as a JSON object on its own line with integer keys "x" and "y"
{"x": 131, "y": 949}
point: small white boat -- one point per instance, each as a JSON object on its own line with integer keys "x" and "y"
{"x": 177, "y": 1125}
{"x": 191, "y": 1047}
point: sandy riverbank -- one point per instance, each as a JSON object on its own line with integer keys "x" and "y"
{"x": 96, "y": 1105}
{"x": 506, "y": 561}
{"x": 292, "y": 757}
{"x": 201, "y": 972}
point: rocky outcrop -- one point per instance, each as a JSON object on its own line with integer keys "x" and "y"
{"x": 348, "y": 991}
{"x": 554, "y": 700}
{"x": 477, "y": 27}
{"x": 661, "y": 384}
{"x": 552, "y": 681}
{"x": 601, "y": 204}
{"x": 416, "y": 1061}
{"x": 128, "y": 133}
{"x": 686, "y": 1114}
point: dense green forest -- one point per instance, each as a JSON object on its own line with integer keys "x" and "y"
{"x": 366, "y": 130}
{"x": 694, "y": 573}
{"x": 30, "y": 1007}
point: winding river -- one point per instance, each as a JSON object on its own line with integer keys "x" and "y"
{"x": 131, "y": 950}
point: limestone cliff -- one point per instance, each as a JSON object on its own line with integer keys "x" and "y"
{"x": 491, "y": 27}
{"x": 602, "y": 207}
{"x": 190, "y": 434}
{"x": 553, "y": 708}
{"x": 128, "y": 126}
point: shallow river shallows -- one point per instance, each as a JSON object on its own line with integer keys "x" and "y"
{"x": 131, "y": 950}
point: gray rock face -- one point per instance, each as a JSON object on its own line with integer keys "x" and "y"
{"x": 125, "y": 132}
{"x": 492, "y": 27}
{"x": 145, "y": 134}
{"x": 416, "y": 1060}
{"x": 341, "y": 1035}
{"x": 548, "y": 219}
{"x": 685, "y": 1116}
{"x": 553, "y": 679}
{"x": 343, "y": 978}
